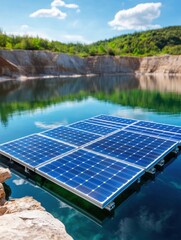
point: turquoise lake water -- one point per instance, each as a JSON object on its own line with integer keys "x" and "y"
{"x": 154, "y": 212}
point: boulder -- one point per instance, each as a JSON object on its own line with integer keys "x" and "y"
{"x": 4, "y": 174}
{"x": 32, "y": 224}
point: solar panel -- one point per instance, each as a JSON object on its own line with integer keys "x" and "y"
{"x": 96, "y": 178}
{"x": 34, "y": 150}
{"x": 92, "y": 128}
{"x": 135, "y": 148}
{"x": 105, "y": 123}
{"x": 157, "y": 133}
{"x": 115, "y": 119}
{"x": 159, "y": 126}
{"x": 72, "y": 136}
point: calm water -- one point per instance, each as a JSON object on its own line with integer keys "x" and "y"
{"x": 28, "y": 107}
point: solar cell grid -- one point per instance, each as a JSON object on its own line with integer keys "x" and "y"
{"x": 69, "y": 135}
{"x": 159, "y": 126}
{"x": 106, "y": 123}
{"x": 132, "y": 147}
{"x": 115, "y": 119}
{"x": 92, "y": 128}
{"x": 34, "y": 150}
{"x": 157, "y": 133}
{"x": 95, "y": 177}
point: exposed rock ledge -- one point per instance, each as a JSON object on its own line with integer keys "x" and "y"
{"x": 26, "y": 219}
{"x": 23, "y": 64}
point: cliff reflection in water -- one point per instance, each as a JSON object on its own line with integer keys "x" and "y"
{"x": 160, "y": 94}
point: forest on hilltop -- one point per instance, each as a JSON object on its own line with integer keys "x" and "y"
{"x": 147, "y": 43}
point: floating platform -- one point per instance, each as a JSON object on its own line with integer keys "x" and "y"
{"x": 97, "y": 158}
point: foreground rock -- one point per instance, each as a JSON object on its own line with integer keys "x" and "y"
{"x": 4, "y": 174}
{"x": 23, "y": 63}
{"x": 32, "y": 225}
{"x": 26, "y": 219}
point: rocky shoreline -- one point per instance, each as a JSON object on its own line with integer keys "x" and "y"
{"x": 23, "y": 64}
{"x": 26, "y": 219}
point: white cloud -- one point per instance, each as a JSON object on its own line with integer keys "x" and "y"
{"x": 49, "y": 126}
{"x": 139, "y": 17}
{"x": 144, "y": 223}
{"x": 60, "y": 3}
{"x": 19, "y": 182}
{"x": 49, "y": 13}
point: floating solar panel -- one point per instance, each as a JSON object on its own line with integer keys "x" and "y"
{"x": 115, "y": 119}
{"x": 135, "y": 148}
{"x": 106, "y": 124}
{"x": 92, "y": 128}
{"x": 72, "y": 136}
{"x": 155, "y": 132}
{"x": 159, "y": 126}
{"x": 34, "y": 150}
{"x": 97, "y": 158}
{"x": 95, "y": 178}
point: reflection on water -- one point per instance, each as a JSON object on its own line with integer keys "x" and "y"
{"x": 161, "y": 83}
{"x": 28, "y": 107}
{"x": 161, "y": 94}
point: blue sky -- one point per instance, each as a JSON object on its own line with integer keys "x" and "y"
{"x": 86, "y": 20}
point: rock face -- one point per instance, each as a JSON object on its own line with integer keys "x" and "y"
{"x": 30, "y": 63}
{"x": 19, "y": 205}
{"x": 26, "y": 219}
{"x": 161, "y": 65}
{"x": 34, "y": 63}
{"x": 32, "y": 225}
{"x": 112, "y": 65}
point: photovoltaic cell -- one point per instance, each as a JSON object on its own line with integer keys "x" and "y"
{"x": 92, "y": 128}
{"x": 72, "y": 136}
{"x": 157, "y": 133}
{"x": 105, "y": 123}
{"x": 115, "y": 119}
{"x": 134, "y": 148}
{"x": 159, "y": 126}
{"x": 97, "y": 179}
{"x": 34, "y": 150}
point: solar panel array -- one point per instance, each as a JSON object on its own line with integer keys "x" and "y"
{"x": 97, "y": 158}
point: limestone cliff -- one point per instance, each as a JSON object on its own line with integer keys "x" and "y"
{"x": 161, "y": 65}
{"x": 36, "y": 63}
